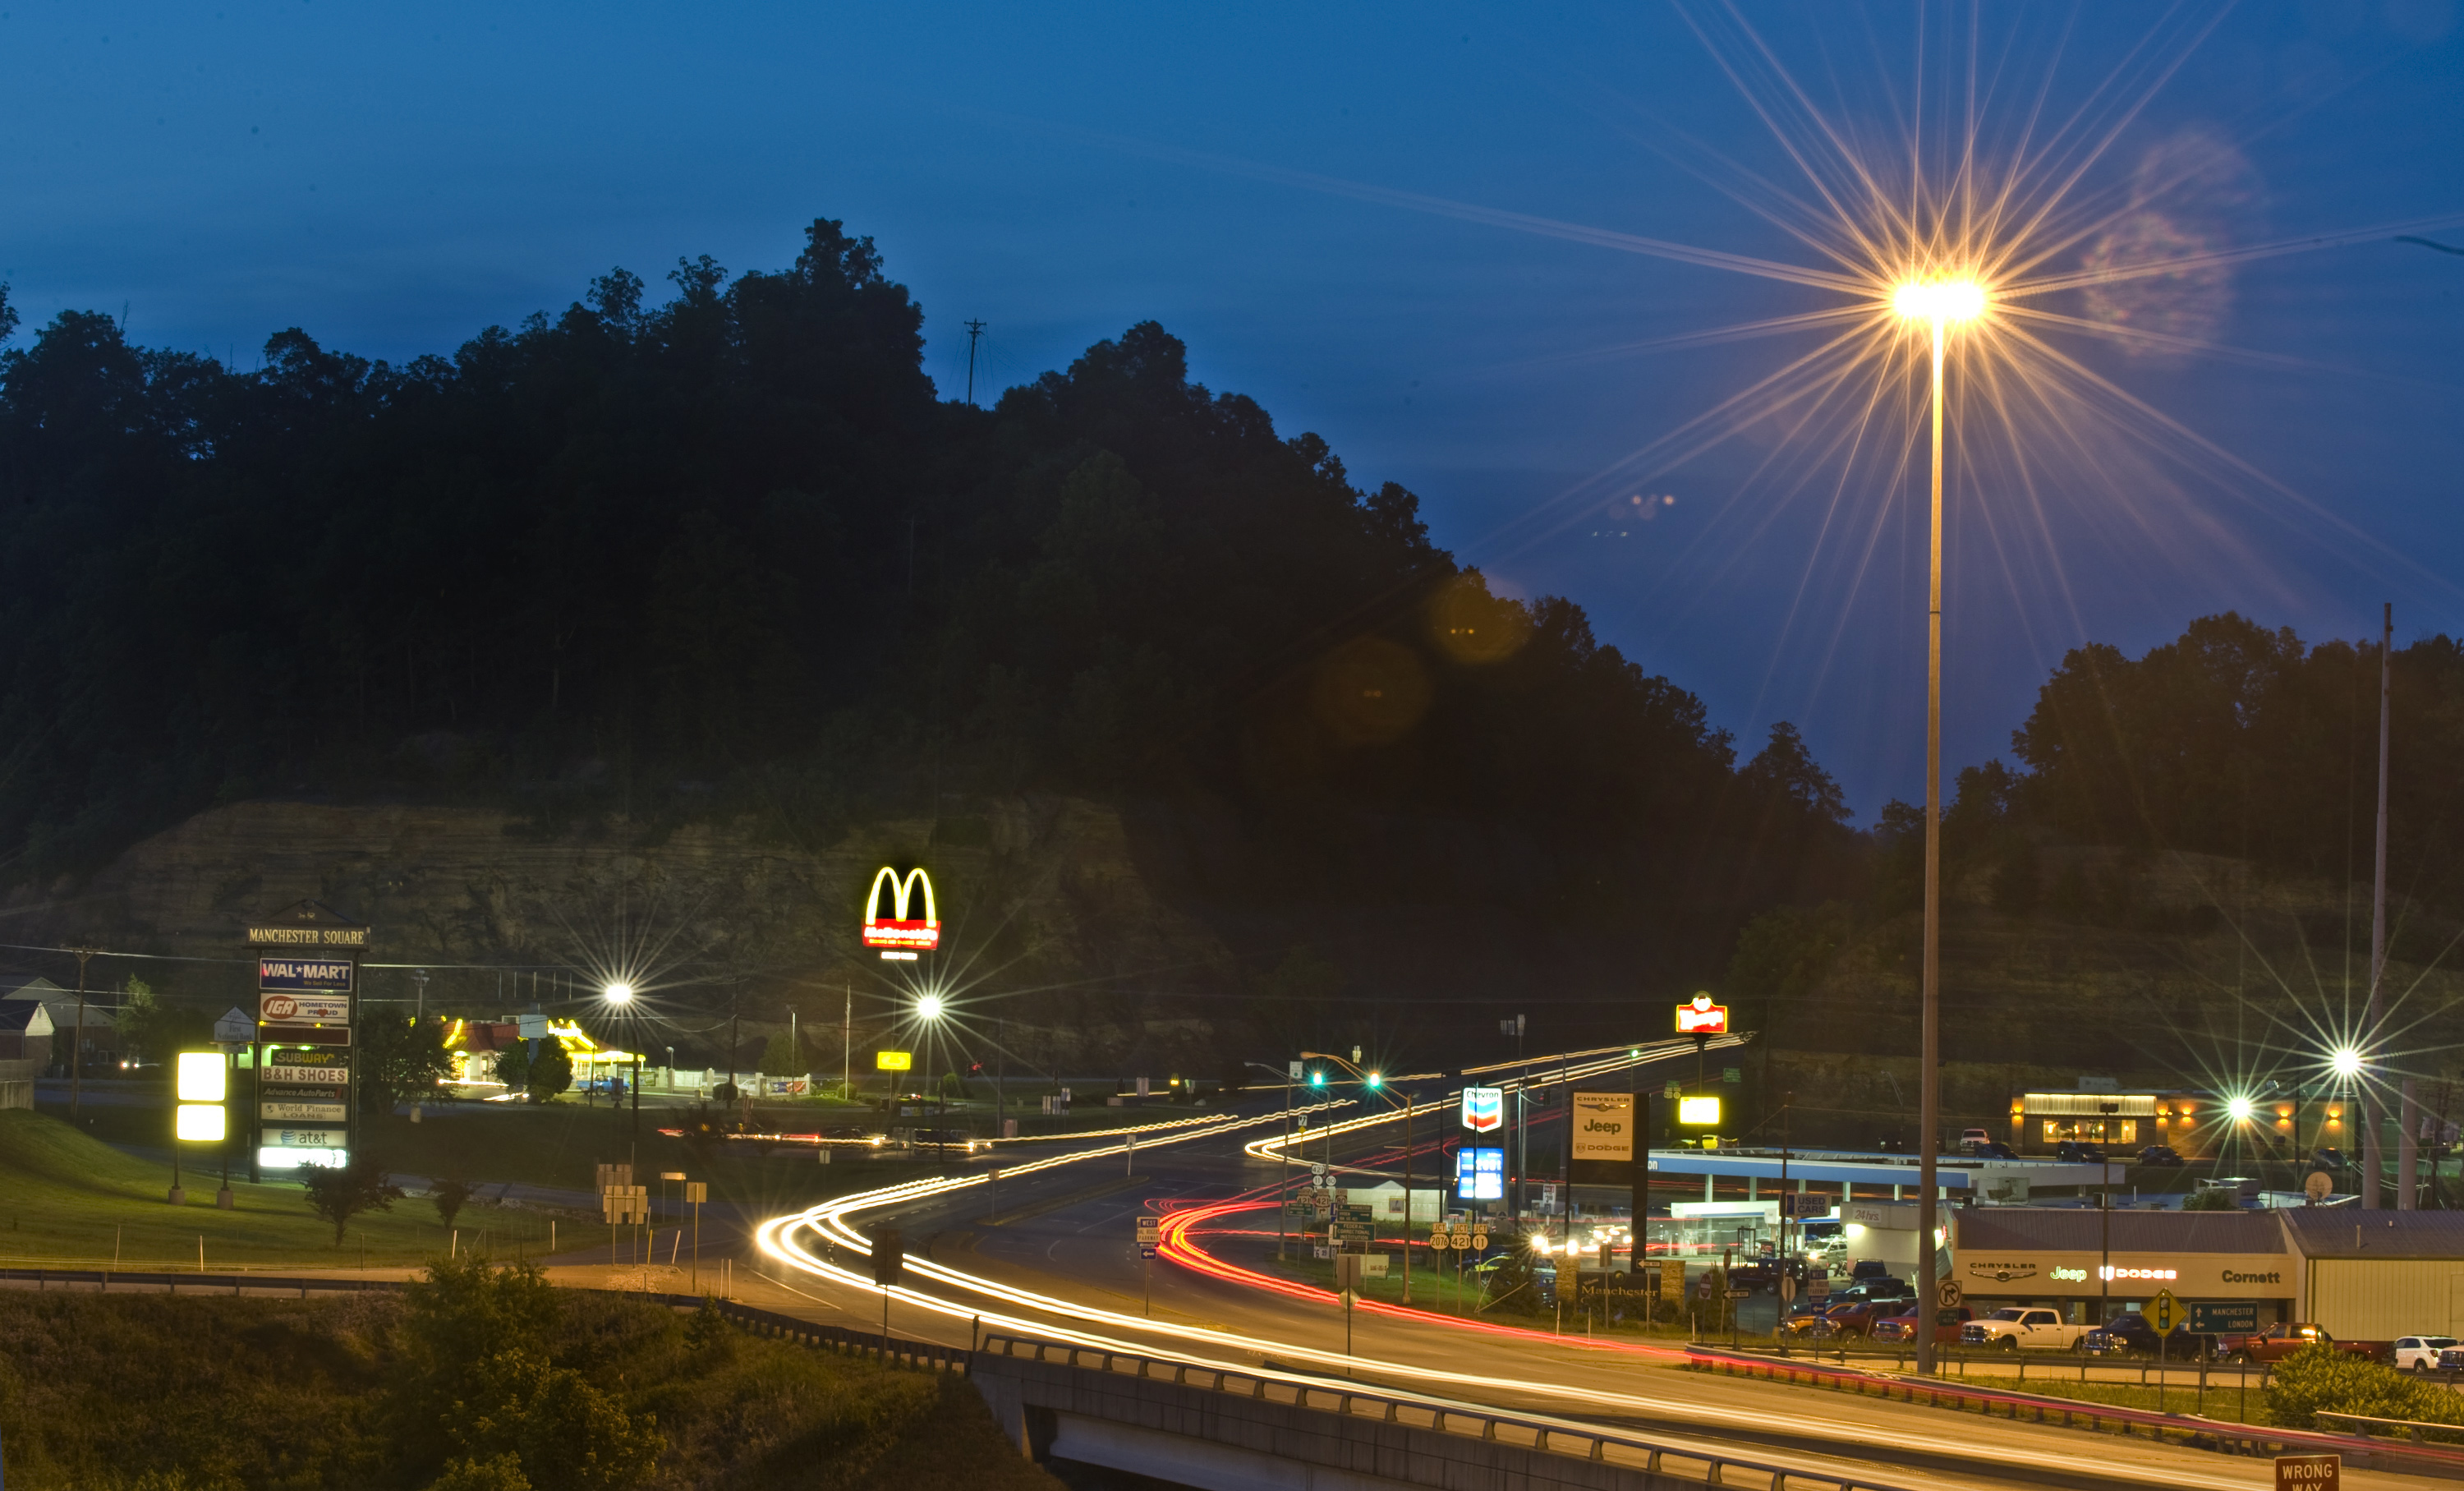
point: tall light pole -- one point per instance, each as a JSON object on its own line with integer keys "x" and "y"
{"x": 1938, "y": 304}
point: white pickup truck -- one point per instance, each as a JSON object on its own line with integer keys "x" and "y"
{"x": 2023, "y": 1328}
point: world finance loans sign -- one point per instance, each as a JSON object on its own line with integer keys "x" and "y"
{"x": 901, "y": 935}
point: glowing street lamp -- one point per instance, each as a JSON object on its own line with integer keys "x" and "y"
{"x": 2346, "y": 1062}
{"x": 2239, "y": 1108}
{"x": 1937, "y": 303}
{"x": 619, "y": 992}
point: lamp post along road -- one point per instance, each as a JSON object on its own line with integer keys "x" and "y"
{"x": 1939, "y": 303}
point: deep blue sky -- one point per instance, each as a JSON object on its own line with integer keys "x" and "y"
{"x": 392, "y": 178}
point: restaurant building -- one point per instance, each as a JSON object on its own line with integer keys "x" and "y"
{"x": 2196, "y": 1124}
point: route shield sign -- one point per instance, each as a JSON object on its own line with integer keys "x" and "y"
{"x": 2164, "y": 1312}
{"x": 1439, "y": 1241}
{"x": 2231, "y": 1317}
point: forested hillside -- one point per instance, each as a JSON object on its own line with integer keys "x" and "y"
{"x": 730, "y": 555}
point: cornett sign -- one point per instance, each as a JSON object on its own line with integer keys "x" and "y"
{"x": 899, "y": 936}
{"x": 1699, "y": 1016}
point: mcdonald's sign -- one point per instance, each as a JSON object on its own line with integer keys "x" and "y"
{"x": 899, "y": 935}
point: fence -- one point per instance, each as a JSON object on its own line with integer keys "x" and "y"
{"x": 2203, "y": 1433}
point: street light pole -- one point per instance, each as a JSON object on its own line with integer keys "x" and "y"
{"x": 1934, "y": 303}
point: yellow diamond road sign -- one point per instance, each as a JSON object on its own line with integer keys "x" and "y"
{"x": 2164, "y": 1312}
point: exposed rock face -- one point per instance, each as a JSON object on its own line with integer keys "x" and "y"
{"x": 1039, "y": 896}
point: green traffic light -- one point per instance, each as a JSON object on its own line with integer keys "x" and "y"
{"x": 1317, "y": 1079}
{"x": 1374, "y": 1081}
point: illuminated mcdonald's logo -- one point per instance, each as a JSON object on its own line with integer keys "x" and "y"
{"x": 898, "y": 932}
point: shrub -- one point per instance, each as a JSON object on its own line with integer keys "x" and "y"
{"x": 2320, "y": 1379}
{"x": 566, "y": 1435}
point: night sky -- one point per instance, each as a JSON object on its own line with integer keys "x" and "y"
{"x": 1286, "y": 188}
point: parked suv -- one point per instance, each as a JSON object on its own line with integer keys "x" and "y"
{"x": 2159, "y": 1154}
{"x": 2076, "y": 1151}
{"x": 2421, "y": 1353}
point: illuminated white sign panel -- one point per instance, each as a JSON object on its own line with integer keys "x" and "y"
{"x": 1484, "y": 1109}
{"x": 1605, "y": 1125}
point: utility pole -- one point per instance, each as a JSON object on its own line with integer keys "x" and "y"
{"x": 2363, "y": 1108}
{"x": 846, "y": 1047}
{"x": 1521, "y": 1124}
{"x": 76, "y": 1047}
{"x": 974, "y": 331}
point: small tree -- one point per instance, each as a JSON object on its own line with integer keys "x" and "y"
{"x": 339, "y": 1195}
{"x": 513, "y": 1066}
{"x": 780, "y": 1058}
{"x": 450, "y": 1194}
{"x": 401, "y": 1060}
{"x": 551, "y": 1071}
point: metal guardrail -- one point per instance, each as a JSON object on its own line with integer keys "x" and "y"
{"x": 2413, "y": 1428}
{"x": 1444, "y": 1418}
{"x": 2213, "y": 1433}
{"x": 895, "y": 1350}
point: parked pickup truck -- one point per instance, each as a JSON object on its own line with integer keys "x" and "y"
{"x": 2019, "y": 1329}
{"x": 2278, "y": 1342}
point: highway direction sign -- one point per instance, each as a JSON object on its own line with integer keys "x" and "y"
{"x": 1150, "y": 1231}
{"x": 2232, "y": 1316}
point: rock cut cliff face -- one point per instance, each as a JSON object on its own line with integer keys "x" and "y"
{"x": 1040, "y": 900}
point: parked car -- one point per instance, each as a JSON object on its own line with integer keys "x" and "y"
{"x": 2075, "y": 1150}
{"x": 2130, "y": 1331}
{"x": 1857, "y": 1317}
{"x": 1947, "y": 1323}
{"x": 2282, "y": 1339}
{"x": 2421, "y": 1354}
{"x": 2159, "y": 1154}
{"x": 1879, "y": 1287}
{"x": 1870, "y": 1268}
{"x": 2018, "y": 1327}
{"x": 1995, "y": 1149}
{"x": 2327, "y": 1159}
{"x": 1971, "y": 1139}
{"x": 2452, "y": 1359}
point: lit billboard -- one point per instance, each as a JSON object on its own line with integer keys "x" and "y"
{"x": 1484, "y": 1109}
{"x": 1699, "y": 1016}
{"x": 899, "y": 935}
{"x": 1480, "y": 1174}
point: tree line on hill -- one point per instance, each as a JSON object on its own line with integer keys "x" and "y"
{"x": 730, "y": 554}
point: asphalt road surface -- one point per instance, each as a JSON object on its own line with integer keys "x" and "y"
{"x": 1066, "y": 1235}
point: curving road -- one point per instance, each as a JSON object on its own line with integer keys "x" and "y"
{"x": 1051, "y": 1251}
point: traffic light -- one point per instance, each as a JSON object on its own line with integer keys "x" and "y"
{"x": 1317, "y": 1079}
{"x": 1375, "y": 1081}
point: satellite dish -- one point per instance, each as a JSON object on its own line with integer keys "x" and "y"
{"x": 2318, "y": 1186}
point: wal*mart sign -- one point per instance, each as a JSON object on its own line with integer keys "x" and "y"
{"x": 305, "y": 975}
{"x": 1484, "y": 1109}
{"x": 899, "y": 931}
{"x": 1604, "y": 1127}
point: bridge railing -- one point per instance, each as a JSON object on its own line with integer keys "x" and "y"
{"x": 1538, "y": 1433}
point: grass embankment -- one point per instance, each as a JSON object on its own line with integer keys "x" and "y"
{"x": 476, "y": 1383}
{"x": 67, "y": 1200}
{"x": 77, "y": 1188}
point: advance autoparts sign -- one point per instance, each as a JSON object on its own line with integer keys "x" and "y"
{"x": 1604, "y": 1127}
{"x": 1484, "y": 1109}
{"x": 898, "y": 935}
